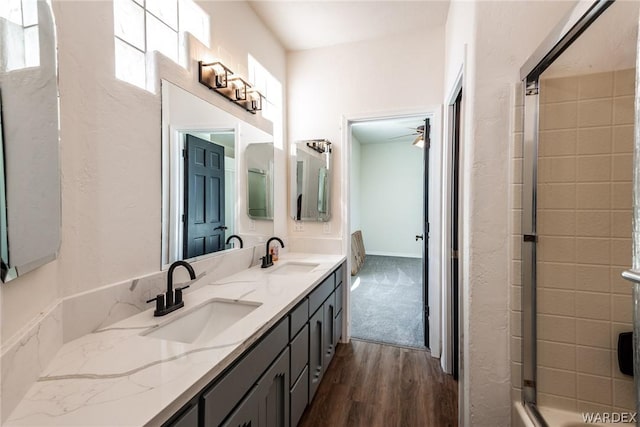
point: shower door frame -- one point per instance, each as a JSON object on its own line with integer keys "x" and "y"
{"x": 560, "y": 38}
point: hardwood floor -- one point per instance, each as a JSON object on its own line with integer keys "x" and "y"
{"x": 369, "y": 384}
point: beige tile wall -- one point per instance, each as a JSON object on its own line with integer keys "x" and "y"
{"x": 585, "y": 156}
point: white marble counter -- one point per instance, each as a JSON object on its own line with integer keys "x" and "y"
{"x": 117, "y": 377}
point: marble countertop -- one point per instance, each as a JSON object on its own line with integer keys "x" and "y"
{"x": 117, "y": 377}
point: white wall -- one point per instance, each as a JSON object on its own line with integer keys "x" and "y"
{"x": 503, "y": 35}
{"x": 111, "y": 155}
{"x": 391, "y": 193}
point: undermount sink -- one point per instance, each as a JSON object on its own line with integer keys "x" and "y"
{"x": 294, "y": 268}
{"x": 204, "y": 323}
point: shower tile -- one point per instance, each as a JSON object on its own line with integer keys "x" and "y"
{"x": 556, "y": 328}
{"x": 557, "y": 90}
{"x": 593, "y": 196}
{"x": 594, "y": 278}
{"x": 598, "y": 85}
{"x": 592, "y": 251}
{"x": 595, "y": 113}
{"x": 556, "y": 355}
{"x": 593, "y": 169}
{"x": 518, "y": 116}
{"x": 592, "y": 224}
{"x": 557, "y": 169}
{"x": 516, "y": 244}
{"x": 516, "y": 225}
{"x": 516, "y": 349}
{"x": 557, "y": 249}
{"x": 594, "y": 141}
{"x": 621, "y": 223}
{"x": 594, "y": 333}
{"x": 622, "y": 195}
{"x": 555, "y": 381}
{"x": 517, "y": 151}
{"x": 624, "y": 394}
{"x": 623, "y": 167}
{"x": 621, "y": 252}
{"x": 556, "y": 223}
{"x": 557, "y": 143}
{"x": 618, "y": 284}
{"x": 516, "y": 171}
{"x": 554, "y": 401}
{"x": 623, "y": 112}
{"x": 595, "y": 389}
{"x": 516, "y": 272}
{"x": 625, "y": 82}
{"x": 554, "y": 301}
{"x": 558, "y": 116}
{"x": 622, "y": 308}
{"x": 592, "y": 407}
{"x": 623, "y": 139}
{"x": 591, "y": 305}
{"x": 555, "y": 275}
{"x": 558, "y": 196}
{"x": 516, "y": 298}
{"x": 516, "y": 375}
{"x": 517, "y": 195}
{"x": 596, "y": 361}
{"x": 516, "y": 323}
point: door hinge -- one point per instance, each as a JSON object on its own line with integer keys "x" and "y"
{"x": 426, "y": 311}
{"x": 454, "y": 254}
{"x": 530, "y": 238}
{"x": 184, "y": 153}
{"x": 182, "y": 217}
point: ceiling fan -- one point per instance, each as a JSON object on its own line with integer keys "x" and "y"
{"x": 419, "y": 134}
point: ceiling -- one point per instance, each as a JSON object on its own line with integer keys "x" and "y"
{"x": 395, "y": 130}
{"x": 302, "y": 24}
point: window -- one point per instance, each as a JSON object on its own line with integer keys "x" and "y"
{"x": 271, "y": 88}
{"x": 142, "y": 26}
{"x": 21, "y": 19}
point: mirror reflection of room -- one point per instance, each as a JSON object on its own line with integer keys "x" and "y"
{"x": 311, "y": 180}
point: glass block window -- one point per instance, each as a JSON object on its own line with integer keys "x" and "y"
{"x": 142, "y": 26}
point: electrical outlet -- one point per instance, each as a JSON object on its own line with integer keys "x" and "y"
{"x": 252, "y": 225}
{"x": 297, "y": 226}
{"x": 326, "y": 228}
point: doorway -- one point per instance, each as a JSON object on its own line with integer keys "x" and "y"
{"x": 389, "y": 227}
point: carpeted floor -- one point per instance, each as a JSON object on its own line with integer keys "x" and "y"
{"x": 386, "y": 301}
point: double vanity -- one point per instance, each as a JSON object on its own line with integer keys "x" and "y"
{"x": 250, "y": 349}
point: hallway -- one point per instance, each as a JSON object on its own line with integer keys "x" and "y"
{"x": 370, "y": 384}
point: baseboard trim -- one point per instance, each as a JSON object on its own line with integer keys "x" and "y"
{"x": 395, "y": 254}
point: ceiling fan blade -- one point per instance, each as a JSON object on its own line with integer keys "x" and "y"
{"x": 403, "y": 136}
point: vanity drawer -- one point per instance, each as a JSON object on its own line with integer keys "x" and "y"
{"x": 299, "y": 397}
{"x": 339, "y": 275}
{"x": 299, "y": 353}
{"x": 298, "y": 317}
{"x": 219, "y": 400}
{"x": 321, "y": 293}
{"x": 339, "y": 296}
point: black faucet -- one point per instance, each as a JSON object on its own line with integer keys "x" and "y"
{"x": 237, "y": 237}
{"x": 267, "y": 261}
{"x": 172, "y": 300}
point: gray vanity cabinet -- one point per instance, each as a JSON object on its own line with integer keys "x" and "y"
{"x": 272, "y": 383}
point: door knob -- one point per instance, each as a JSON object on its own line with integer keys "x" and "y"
{"x": 419, "y": 236}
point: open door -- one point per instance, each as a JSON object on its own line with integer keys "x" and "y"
{"x": 425, "y": 230}
{"x": 204, "y": 197}
{"x": 455, "y": 194}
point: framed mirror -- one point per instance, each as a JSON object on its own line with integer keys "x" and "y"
{"x": 203, "y": 150}
{"x": 259, "y": 158}
{"x": 310, "y": 195}
{"x": 30, "y": 230}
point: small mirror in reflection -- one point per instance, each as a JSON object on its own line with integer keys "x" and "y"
{"x": 311, "y": 181}
{"x": 260, "y": 180}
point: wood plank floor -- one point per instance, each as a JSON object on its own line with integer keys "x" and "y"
{"x": 369, "y": 384}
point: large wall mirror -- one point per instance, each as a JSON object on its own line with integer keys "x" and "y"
{"x": 30, "y": 175}
{"x": 204, "y": 151}
{"x": 259, "y": 159}
{"x": 310, "y": 197}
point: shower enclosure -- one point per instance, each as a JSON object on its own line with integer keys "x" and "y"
{"x": 577, "y": 209}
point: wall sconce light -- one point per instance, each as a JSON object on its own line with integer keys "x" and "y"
{"x": 320, "y": 145}
{"x": 217, "y": 77}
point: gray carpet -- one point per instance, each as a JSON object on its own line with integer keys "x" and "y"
{"x": 386, "y": 306}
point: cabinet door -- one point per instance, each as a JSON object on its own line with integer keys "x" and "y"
{"x": 328, "y": 330}
{"x": 247, "y": 412}
{"x": 316, "y": 353}
{"x": 189, "y": 418}
{"x": 273, "y": 394}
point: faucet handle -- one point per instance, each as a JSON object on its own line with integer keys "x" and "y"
{"x": 179, "y": 294}
{"x": 159, "y": 299}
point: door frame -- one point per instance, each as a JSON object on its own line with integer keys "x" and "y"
{"x": 434, "y": 114}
